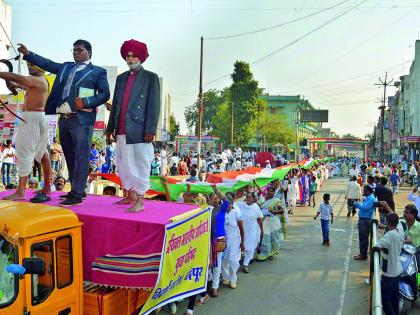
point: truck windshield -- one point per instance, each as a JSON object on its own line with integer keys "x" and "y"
{"x": 8, "y": 282}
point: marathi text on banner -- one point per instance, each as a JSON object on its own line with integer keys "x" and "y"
{"x": 184, "y": 262}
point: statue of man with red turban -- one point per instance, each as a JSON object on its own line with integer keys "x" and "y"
{"x": 133, "y": 123}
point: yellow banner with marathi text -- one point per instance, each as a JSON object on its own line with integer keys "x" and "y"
{"x": 184, "y": 263}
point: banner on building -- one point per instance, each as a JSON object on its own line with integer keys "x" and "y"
{"x": 313, "y": 116}
{"x": 184, "y": 262}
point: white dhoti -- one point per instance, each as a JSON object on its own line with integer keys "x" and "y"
{"x": 31, "y": 141}
{"x": 134, "y": 163}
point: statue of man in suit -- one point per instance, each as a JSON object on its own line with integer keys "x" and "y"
{"x": 78, "y": 89}
{"x": 133, "y": 123}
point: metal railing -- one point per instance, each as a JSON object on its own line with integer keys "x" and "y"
{"x": 375, "y": 273}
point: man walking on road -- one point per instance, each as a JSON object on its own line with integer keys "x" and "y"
{"x": 353, "y": 194}
{"x": 366, "y": 209}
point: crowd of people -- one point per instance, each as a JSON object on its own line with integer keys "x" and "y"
{"x": 372, "y": 185}
{"x": 249, "y": 224}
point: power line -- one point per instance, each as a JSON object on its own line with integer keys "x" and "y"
{"x": 351, "y": 78}
{"x": 368, "y": 40}
{"x": 278, "y": 25}
{"x": 294, "y": 41}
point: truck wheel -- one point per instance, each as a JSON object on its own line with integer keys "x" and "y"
{"x": 404, "y": 306}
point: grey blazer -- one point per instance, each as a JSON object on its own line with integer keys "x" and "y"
{"x": 143, "y": 106}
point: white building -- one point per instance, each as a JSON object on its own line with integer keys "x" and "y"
{"x": 5, "y": 46}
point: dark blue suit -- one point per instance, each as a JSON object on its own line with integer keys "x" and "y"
{"x": 76, "y": 132}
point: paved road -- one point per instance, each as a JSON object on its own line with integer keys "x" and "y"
{"x": 306, "y": 278}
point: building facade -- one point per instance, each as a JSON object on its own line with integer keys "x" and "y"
{"x": 289, "y": 106}
{"x": 402, "y": 119}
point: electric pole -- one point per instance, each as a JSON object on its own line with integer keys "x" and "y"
{"x": 297, "y": 136}
{"x": 200, "y": 106}
{"x": 231, "y": 122}
{"x": 383, "y": 83}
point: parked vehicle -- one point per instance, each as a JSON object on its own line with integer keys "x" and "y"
{"x": 408, "y": 282}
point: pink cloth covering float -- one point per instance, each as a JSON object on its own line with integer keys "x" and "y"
{"x": 121, "y": 249}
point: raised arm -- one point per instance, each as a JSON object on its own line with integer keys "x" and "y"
{"x": 166, "y": 188}
{"x": 25, "y": 81}
{"x": 39, "y": 61}
{"x": 219, "y": 193}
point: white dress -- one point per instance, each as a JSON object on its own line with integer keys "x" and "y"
{"x": 293, "y": 189}
{"x": 233, "y": 237}
{"x": 250, "y": 214}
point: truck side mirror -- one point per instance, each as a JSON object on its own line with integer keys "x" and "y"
{"x": 34, "y": 266}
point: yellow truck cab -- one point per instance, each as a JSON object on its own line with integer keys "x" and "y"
{"x": 52, "y": 234}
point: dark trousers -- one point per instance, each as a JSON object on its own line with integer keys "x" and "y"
{"x": 350, "y": 208}
{"x": 325, "y": 226}
{"x": 5, "y": 170}
{"x": 364, "y": 232}
{"x": 191, "y": 301}
{"x": 76, "y": 140}
{"x": 390, "y": 294}
{"x": 36, "y": 168}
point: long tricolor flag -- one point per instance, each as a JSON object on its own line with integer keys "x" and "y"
{"x": 226, "y": 181}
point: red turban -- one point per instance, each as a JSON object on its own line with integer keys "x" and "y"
{"x": 137, "y": 48}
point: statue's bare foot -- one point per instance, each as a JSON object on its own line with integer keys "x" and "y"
{"x": 14, "y": 196}
{"x": 138, "y": 206}
{"x": 125, "y": 201}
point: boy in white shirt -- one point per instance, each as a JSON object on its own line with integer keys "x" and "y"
{"x": 390, "y": 244}
{"x": 326, "y": 211}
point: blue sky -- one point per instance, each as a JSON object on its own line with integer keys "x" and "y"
{"x": 335, "y": 67}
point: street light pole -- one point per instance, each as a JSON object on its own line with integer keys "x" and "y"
{"x": 200, "y": 106}
{"x": 384, "y": 83}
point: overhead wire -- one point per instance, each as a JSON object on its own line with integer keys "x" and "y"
{"x": 277, "y": 25}
{"x": 292, "y": 42}
{"x": 330, "y": 63}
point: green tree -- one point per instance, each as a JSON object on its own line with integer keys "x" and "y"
{"x": 222, "y": 127}
{"x": 243, "y": 94}
{"x": 273, "y": 129}
{"x": 349, "y": 136}
{"x": 173, "y": 127}
{"x": 212, "y": 99}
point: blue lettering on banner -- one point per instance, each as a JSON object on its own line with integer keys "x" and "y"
{"x": 194, "y": 272}
{"x": 172, "y": 284}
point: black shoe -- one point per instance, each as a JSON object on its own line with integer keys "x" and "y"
{"x": 71, "y": 201}
{"x": 64, "y": 197}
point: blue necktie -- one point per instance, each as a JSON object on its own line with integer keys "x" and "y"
{"x": 67, "y": 87}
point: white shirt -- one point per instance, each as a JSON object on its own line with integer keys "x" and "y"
{"x": 413, "y": 171}
{"x": 391, "y": 264}
{"x": 353, "y": 190}
{"x": 354, "y": 172}
{"x": 325, "y": 210}
{"x": 8, "y": 151}
{"x": 174, "y": 161}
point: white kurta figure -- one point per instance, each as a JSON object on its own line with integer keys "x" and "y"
{"x": 293, "y": 192}
{"x": 232, "y": 254}
{"x": 252, "y": 232}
